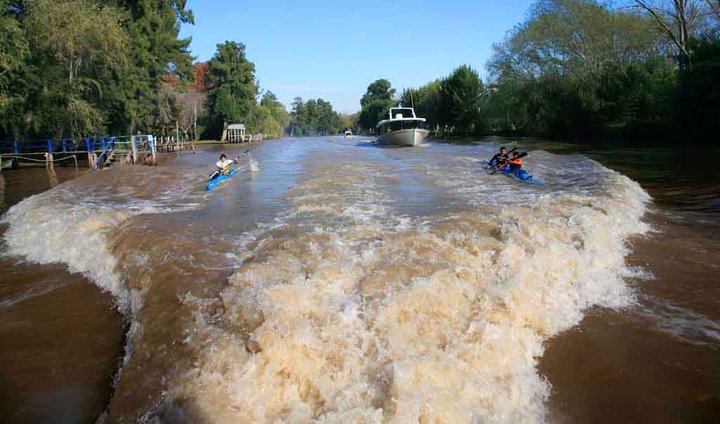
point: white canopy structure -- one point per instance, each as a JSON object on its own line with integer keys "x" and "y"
{"x": 236, "y": 133}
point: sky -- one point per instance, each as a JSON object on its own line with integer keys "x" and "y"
{"x": 335, "y": 49}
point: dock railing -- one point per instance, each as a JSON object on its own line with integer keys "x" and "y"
{"x": 99, "y": 151}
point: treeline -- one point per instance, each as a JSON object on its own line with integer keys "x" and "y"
{"x": 232, "y": 93}
{"x": 80, "y": 67}
{"x": 75, "y": 68}
{"x": 580, "y": 69}
{"x": 314, "y": 117}
{"x": 452, "y": 105}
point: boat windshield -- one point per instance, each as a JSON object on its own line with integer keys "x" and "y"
{"x": 396, "y": 113}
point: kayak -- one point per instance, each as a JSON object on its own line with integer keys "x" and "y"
{"x": 213, "y": 182}
{"x": 520, "y": 175}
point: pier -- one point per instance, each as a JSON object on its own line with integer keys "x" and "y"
{"x": 96, "y": 152}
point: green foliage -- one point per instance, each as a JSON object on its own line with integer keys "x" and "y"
{"x": 581, "y": 70}
{"x": 85, "y": 67}
{"x": 461, "y": 100}
{"x": 378, "y": 99}
{"x": 426, "y": 101}
{"x": 232, "y": 93}
{"x": 74, "y": 53}
{"x": 313, "y": 117}
{"x": 698, "y": 95}
{"x": 270, "y": 117}
{"x": 14, "y": 54}
{"x": 349, "y": 122}
{"x": 153, "y": 27}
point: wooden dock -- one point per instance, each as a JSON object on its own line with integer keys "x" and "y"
{"x": 97, "y": 152}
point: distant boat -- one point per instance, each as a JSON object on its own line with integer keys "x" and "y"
{"x": 402, "y": 127}
{"x": 348, "y": 134}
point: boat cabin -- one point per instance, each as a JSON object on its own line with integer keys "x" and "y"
{"x": 401, "y": 118}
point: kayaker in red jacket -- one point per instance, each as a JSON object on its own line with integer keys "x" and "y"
{"x": 516, "y": 162}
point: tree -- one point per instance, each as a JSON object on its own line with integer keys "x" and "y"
{"x": 14, "y": 55}
{"x": 679, "y": 20}
{"x": 426, "y": 101}
{"x": 348, "y": 122}
{"x": 377, "y": 100}
{"x": 80, "y": 44}
{"x": 82, "y": 67}
{"x": 698, "y": 100}
{"x": 461, "y": 98}
{"x": 578, "y": 69}
{"x": 271, "y": 117}
{"x": 232, "y": 93}
{"x": 155, "y": 50}
{"x": 313, "y": 117}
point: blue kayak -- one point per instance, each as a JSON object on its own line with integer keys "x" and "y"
{"x": 213, "y": 182}
{"x": 519, "y": 174}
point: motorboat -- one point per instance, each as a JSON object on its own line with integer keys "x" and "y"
{"x": 402, "y": 128}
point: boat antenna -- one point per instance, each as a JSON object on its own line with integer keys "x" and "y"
{"x": 412, "y": 102}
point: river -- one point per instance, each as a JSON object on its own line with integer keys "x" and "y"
{"x": 337, "y": 280}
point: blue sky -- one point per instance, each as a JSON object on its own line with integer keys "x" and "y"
{"x": 334, "y": 49}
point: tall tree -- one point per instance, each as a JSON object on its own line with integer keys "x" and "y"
{"x": 232, "y": 93}
{"x": 426, "y": 101}
{"x": 79, "y": 44}
{"x": 14, "y": 56}
{"x": 271, "y": 118}
{"x": 313, "y": 117}
{"x": 461, "y": 98}
{"x": 679, "y": 20}
{"x": 155, "y": 51}
{"x": 379, "y": 97}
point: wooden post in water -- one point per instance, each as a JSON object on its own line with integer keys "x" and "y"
{"x": 151, "y": 142}
{"x": 49, "y": 154}
{"x": 133, "y": 143}
{"x": 177, "y": 136}
{"x": 92, "y": 159}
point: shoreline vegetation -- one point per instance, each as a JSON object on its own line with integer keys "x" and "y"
{"x": 583, "y": 70}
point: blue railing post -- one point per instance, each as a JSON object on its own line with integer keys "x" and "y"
{"x": 16, "y": 146}
{"x": 64, "y": 145}
{"x": 49, "y": 144}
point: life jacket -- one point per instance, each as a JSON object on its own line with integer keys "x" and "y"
{"x": 517, "y": 161}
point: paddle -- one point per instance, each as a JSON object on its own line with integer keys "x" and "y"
{"x": 501, "y": 167}
{"x": 235, "y": 162}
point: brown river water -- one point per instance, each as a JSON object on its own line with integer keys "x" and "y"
{"x": 336, "y": 280}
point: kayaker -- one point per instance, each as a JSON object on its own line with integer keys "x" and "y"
{"x": 223, "y": 165}
{"x": 516, "y": 162}
{"x": 500, "y": 158}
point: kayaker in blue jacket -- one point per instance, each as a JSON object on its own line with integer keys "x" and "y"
{"x": 223, "y": 165}
{"x": 500, "y": 158}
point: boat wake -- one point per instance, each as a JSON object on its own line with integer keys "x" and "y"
{"x": 344, "y": 306}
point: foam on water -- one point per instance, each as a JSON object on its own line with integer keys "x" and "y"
{"x": 343, "y": 309}
{"x": 373, "y": 317}
{"x": 70, "y": 224}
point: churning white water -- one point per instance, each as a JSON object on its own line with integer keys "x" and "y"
{"x": 363, "y": 284}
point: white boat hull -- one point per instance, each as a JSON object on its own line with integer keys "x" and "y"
{"x": 409, "y": 137}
